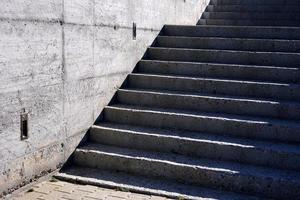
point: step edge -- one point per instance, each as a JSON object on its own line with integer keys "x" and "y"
{"x": 232, "y": 27}
{"x": 228, "y": 38}
{"x": 275, "y": 174}
{"x": 217, "y": 139}
{"x": 223, "y": 50}
{"x": 204, "y": 115}
{"x": 140, "y": 190}
{"x": 207, "y": 96}
{"x": 215, "y": 79}
{"x": 218, "y": 64}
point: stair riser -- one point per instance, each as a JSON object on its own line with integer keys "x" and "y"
{"x": 198, "y": 176}
{"x": 250, "y": 16}
{"x": 255, "y": 2}
{"x": 234, "y": 32}
{"x": 239, "y": 107}
{"x": 277, "y": 92}
{"x": 220, "y": 71}
{"x": 229, "y": 44}
{"x": 225, "y": 57}
{"x": 202, "y": 149}
{"x": 248, "y": 22}
{"x": 246, "y": 129}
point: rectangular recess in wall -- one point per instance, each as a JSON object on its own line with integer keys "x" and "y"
{"x": 134, "y": 31}
{"x": 24, "y": 126}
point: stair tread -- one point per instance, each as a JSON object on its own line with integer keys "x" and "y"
{"x": 248, "y": 56}
{"x": 220, "y": 116}
{"x": 272, "y": 32}
{"x": 206, "y": 164}
{"x": 256, "y": 8}
{"x": 290, "y": 85}
{"x": 208, "y": 96}
{"x": 222, "y": 43}
{"x": 228, "y": 38}
{"x": 144, "y": 185}
{"x": 254, "y": 12}
{"x": 255, "y": 15}
{"x": 220, "y": 71}
{"x": 225, "y": 50}
{"x": 254, "y": 3}
{"x": 225, "y": 64}
{"x": 202, "y": 137}
{"x": 234, "y": 27}
{"x": 250, "y": 22}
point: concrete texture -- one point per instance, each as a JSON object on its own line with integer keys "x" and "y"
{"x": 62, "y": 60}
{"x": 201, "y": 145}
{"x": 209, "y": 112}
{"x": 229, "y": 44}
{"x": 57, "y": 190}
{"x": 209, "y": 103}
{"x": 199, "y": 172}
{"x": 256, "y": 89}
{"x": 229, "y": 22}
{"x": 213, "y": 123}
{"x": 253, "y": 8}
{"x": 224, "y": 56}
{"x": 225, "y": 71}
{"x": 146, "y": 185}
{"x": 289, "y": 33}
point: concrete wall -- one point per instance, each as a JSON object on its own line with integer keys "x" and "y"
{"x": 62, "y": 60}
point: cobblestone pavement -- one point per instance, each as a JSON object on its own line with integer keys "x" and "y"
{"x": 54, "y": 189}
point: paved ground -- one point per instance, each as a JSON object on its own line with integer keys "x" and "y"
{"x": 54, "y": 189}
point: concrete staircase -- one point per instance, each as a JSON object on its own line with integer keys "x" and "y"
{"x": 211, "y": 112}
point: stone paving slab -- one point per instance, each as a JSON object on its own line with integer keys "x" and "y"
{"x": 59, "y": 190}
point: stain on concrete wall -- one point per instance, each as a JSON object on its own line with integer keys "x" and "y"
{"x": 62, "y": 60}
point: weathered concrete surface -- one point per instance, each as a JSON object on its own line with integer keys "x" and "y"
{"x": 206, "y": 103}
{"x": 200, "y": 145}
{"x": 225, "y": 71}
{"x": 191, "y": 171}
{"x": 144, "y": 185}
{"x": 57, "y": 190}
{"x": 204, "y": 117}
{"x": 62, "y": 60}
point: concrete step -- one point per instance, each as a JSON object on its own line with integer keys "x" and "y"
{"x": 256, "y": 2}
{"x": 228, "y": 22}
{"x": 215, "y": 123}
{"x": 275, "y": 155}
{"x": 275, "y": 91}
{"x": 251, "y": 15}
{"x": 209, "y": 103}
{"x": 223, "y": 71}
{"x": 240, "y": 44}
{"x": 224, "y": 56}
{"x": 206, "y": 173}
{"x": 290, "y": 33}
{"x": 144, "y": 185}
{"x": 254, "y": 8}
